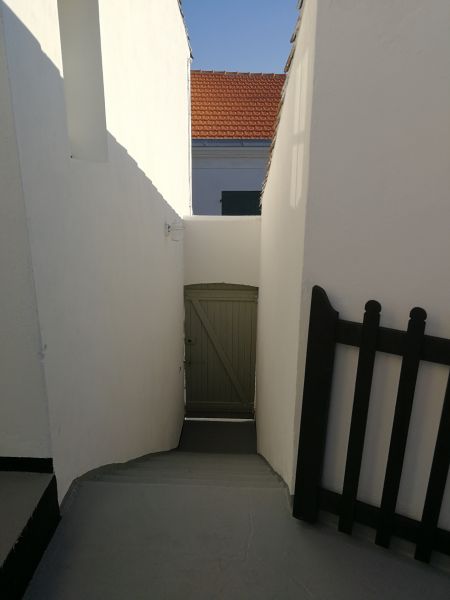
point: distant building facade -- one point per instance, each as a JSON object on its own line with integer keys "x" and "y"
{"x": 233, "y": 121}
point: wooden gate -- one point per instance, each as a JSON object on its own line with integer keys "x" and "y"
{"x": 220, "y": 344}
{"x": 325, "y": 331}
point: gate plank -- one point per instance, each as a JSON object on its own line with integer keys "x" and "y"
{"x": 219, "y": 349}
{"x": 436, "y": 485}
{"x": 316, "y": 399}
{"x": 364, "y": 375}
{"x": 403, "y": 408}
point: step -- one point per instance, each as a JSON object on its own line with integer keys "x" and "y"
{"x": 29, "y": 513}
{"x": 272, "y": 483}
{"x": 197, "y": 460}
{"x": 152, "y": 474}
{"x": 217, "y": 436}
{"x": 232, "y": 459}
{"x": 188, "y": 465}
{"x": 203, "y": 456}
{"x": 194, "y": 469}
{"x": 184, "y": 476}
{"x": 188, "y": 470}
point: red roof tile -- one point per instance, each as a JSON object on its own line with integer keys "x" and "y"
{"x": 235, "y": 105}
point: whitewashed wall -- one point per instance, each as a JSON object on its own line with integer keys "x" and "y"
{"x": 216, "y": 169}
{"x": 24, "y": 429}
{"x": 396, "y": 126}
{"x": 282, "y": 240}
{"x": 377, "y": 214}
{"x": 109, "y": 282}
{"x": 222, "y": 250}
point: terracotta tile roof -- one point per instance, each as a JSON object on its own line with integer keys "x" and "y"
{"x": 235, "y": 105}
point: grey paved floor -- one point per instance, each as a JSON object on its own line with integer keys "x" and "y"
{"x": 187, "y": 525}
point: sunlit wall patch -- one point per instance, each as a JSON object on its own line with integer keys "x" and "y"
{"x": 83, "y": 78}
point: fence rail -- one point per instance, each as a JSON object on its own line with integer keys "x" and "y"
{"x": 413, "y": 345}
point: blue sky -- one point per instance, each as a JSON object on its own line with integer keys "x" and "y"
{"x": 240, "y": 35}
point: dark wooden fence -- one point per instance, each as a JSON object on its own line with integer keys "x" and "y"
{"x": 325, "y": 331}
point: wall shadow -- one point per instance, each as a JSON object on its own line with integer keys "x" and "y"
{"x": 109, "y": 282}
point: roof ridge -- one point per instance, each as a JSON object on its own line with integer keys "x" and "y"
{"x": 249, "y": 73}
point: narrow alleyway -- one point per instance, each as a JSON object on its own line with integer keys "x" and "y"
{"x": 210, "y": 520}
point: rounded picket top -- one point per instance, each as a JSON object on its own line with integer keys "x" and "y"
{"x": 373, "y": 307}
{"x": 418, "y": 314}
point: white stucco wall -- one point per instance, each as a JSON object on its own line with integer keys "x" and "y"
{"x": 396, "y": 126}
{"x": 217, "y": 169}
{"x": 149, "y": 111}
{"x": 222, "y": 250}
{"x": 84, "y": 94}
{"x": 282, "y": 239}
{"x": 109, "y": 282}
{"x": 24, "y": 429}
{"x": 377, "y": 214}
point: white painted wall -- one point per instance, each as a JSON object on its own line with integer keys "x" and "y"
{"x": 217, "y": 169}
{"x": 24, "y": 429}
{"x": 79, "y": 29}
{"x": 109, "y": 282}
{"x": 222, "y": 250}
{"x": 282, "y": 239}
{"x": 149, "y": 108}
{"x": 376, "y": 224}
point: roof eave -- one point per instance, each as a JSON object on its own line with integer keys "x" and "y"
{"x": 258, "y": 142}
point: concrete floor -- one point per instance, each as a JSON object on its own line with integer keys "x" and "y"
{"x": 195, "y": 525}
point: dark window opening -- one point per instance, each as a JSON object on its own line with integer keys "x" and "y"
{"x": 241, "y": 203}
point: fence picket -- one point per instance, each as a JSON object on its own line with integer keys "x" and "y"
{"x": 316, "y": 399}
{"x": 436, "y": 484}
{"x": 363, "y": 385}
{"x": 403, "y": 408}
